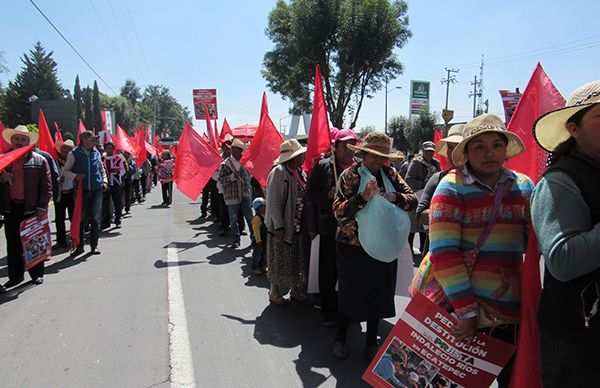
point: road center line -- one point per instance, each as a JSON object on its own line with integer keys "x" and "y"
{"x": 180, "y": 353}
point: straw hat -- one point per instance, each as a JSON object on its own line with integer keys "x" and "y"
{"x": 454, "y": 136}
{"x": 20, "y": 130}
{"x": 238, "y": 144}
{"x": 69, "y": 143}
{"x": 487, "y": 123}
{"x": 379, "y": 144}
{"x": 550, "y": 129}
{"x": 288, "y": 150}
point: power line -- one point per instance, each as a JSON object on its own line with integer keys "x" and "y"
{"x": 137, "y": 38}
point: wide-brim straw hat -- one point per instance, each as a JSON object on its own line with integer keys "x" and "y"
{"x": 550, "y": 129}
{"x": 379, "y": 144}
{"x": 487, "y": 123}
{"x": 288, "y": 150}
{"x": 69, "y": 143}
{"x": 8, "y": 133}
{"x": 238, "y": 144}
{"x": 454, "y": 136}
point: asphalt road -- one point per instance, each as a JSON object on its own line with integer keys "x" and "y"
{"x": 115, "y": 320}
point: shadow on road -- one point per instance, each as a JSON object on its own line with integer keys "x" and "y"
{"x": 163, "y": 264}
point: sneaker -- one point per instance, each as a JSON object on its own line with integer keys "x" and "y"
{"x": 38, "y": 281}
{"x": 12, "y": 283}
{"x": 243, "y": 233}
{"x": 235, "y": 245}
{"x": 95, "y": 251}
{"x": 340, "y": 351}
{"x": 77, "y": 251}
{"x": 118, "y": 224}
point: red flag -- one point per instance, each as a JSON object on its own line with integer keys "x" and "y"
{"x": 216, "y": 130}
{"x": 209, "y": 130}
{"x": 4, "y": 145}
{"x": 75, "y": 229}
{"x": 319, "y": 135}
{"x": 438, "y": 134}
{"x": 124, "y": 142}
{"x": 80, "y": 130}
{"x": 140, "y": 156}
{"x": 45, "y": 142}
{"x": 157, "y": 146}
{"x": 540, "y": 96}
{"x": 195, "y": 163}
{"x": 8, "y": 158}
{"x": 264, "y": 148}
{"x": 58, "y": 135}
{"x": 225, "y": 130}
{"x": 527, "y": 370}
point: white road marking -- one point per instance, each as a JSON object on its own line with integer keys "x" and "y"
{"x": 180, "y": 352}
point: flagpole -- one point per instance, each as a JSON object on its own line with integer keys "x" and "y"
{"x": 335, "y": 173}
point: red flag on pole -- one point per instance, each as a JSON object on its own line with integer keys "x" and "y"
{"x": 225, "y": 130}
{"x": 216, "y": 130}
{"x": 438, "y": 134}
{"x": 80, "y": 130}
{"x": 124, "y": 142}
{"x": 4, "y": 145}
{"x": 527, "y": 370}
{"x": 140, "y": 156}
{"x": 196, "y": 162}
{"x": 209, "y": 130}
{"x": 45, "y": 142}
{"x": 156, "y": 143}
{"x": 8, "y": 158}
{"x": 58, "y": 135}
{"x": 75, "y": 229}
{"x": 264, "y": 148}
{"x": 540, "y": 96}
{"x": 319, "y": 135}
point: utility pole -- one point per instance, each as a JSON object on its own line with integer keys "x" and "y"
{"x": 386, "y": 94}
{"x": 475, "y": 94}
{"x": 448, "y": 115}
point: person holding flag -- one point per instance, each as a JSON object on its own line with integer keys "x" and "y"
{"x": 65, "y": 200}
{"x": 115, "y": 166}
{"x": 25, "y": 190}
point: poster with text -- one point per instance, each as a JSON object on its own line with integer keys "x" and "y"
{"x": 420, "y": 350}
{"x": 210, "y": 97}
{"x": 35, "y": 238}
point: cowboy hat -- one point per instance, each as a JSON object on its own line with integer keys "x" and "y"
{"x": 454, "y": 136}
{"x": 238, "y": 144}
{"x": 550, "y": 129}
{"x": 378, "y": 144}
{"x": 288, "y": 150}
{"x": 69, "y": 143}
{"x": 20, "y": 130}
{"x": 487, "y": 123}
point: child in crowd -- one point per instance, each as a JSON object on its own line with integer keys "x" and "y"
{"x": 259, "y": 229}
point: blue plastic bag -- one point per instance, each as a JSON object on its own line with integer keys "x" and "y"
{"x": 382, "y": 226}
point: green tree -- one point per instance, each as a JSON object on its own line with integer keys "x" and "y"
{"x": 353, "y": 42}
{"x": 397, "y": 127}
{"x": 96, "y": 109}
{"x": 131, "y": 92}
{"x": 87, "y": 105}
{"x": 366, "y": 130}
{"x": 37, "y": 78}
{"x": 3, "y": 69}
{"x": 125, "y": 113}
{"x": 78, "y": 98}
{"x": 158, "y": 104}
{"x": 420, "y": 129}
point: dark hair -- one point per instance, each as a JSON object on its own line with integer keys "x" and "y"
{"x": 577, "y": 117}
{"x": 109, "y": 144}
{"x": 569, "y": 145}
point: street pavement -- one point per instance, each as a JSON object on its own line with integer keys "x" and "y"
{"x": 120, "y": 319}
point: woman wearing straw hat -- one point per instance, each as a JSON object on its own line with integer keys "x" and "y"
{"x": 565, "y": 211}
{"x": 478, "y": 220}
{"x": 287, "y": 239}
{"x": 366, "y": 284}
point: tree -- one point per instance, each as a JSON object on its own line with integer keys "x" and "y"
{"x": 420, "y": 129}
{"x": 87, "y": 105}
{"x": 366, "y": 130}
{"x": 125, "y": 113}
{"x": 159, "y": 105}
{"x": 3, "y": 69}
{"x": 78, "y": 98}
{"x": 397, "y": 127}
{"x": 37, "y": 78}
{"x": 97, "y": 116}
{"x": 131, "y": 92}
{"x": 353, "y": 42}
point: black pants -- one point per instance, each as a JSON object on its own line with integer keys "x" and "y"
{"x": 65, "y": 204}
{"x": 14, "y": 248}
{"x": 343, "y": 323}
{"x": 328, "y": 275}
{"x": 143, "y": 182}
{"x": 567, "y": 363}
{"x": 137, "y": 190}
{"x": 506, "y": 333}
{"x": 127, "y": 190}
{"x": 114, "y": 193}
{"x": 223, "y": 213}
{"x": 208, "y": 194}
{"x": 167, "y": 193}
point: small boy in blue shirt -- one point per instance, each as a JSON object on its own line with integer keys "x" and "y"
{"x": 259, "y": 235}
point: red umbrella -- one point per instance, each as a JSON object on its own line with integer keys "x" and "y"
{"x": 245, "y": 132}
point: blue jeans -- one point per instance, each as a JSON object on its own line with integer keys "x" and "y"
{"x": 259, "y": 258}
{"x": 233, "y": 210}
{"x": 91, "y": 208}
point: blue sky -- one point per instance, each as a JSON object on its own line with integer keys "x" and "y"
{"x": 185, "y": 44}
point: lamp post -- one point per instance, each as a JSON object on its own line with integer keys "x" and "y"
{"x": 386, "y": 95}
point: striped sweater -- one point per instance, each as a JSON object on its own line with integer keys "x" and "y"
{"x": 460, "y": 210}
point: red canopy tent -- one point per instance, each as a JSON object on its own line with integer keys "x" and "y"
{"x": 244, "y": 132}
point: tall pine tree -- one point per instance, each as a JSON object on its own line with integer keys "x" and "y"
{"x": 96, "y": 108}
{"x": 78, "y": 98}
{"x": 87, "y": 103}
{"x": 37, "y": 78}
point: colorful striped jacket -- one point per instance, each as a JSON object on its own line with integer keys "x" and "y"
{"x": 460, "y": 210}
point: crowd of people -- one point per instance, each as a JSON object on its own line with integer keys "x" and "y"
{"x": 110, "y": 181}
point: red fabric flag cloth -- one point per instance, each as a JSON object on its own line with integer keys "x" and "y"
{"x": 80, "y": 130}
{"x": 4, "y": 145}
{"x": 195, "y": 164}
{"x": 75, "y": 229}
{"x": 209, "y": 130}
{"x": 540, "y": 96}
{"x": 527, "y": 369}
{"x": 319, "y": 135}
{"x": 45, "y": 142}
{"x": 438, "y": 134}
{"x": 156, "y": 142}
{"x": 58, "y": 135}
{"x": 225, "y": 130}
{"x": 140, "y": 156}
{"x": 264, "y": 149}
{"x": 124, "y": 142}
{"x": 150, "y": 148}
{"x": 9, "y": 157}
{"x": 217, "y": 137}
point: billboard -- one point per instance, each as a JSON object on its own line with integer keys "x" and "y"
{"x": 510, "y": 100}
{"x": 210, "y": 97}
{"x": 419, "y": 96}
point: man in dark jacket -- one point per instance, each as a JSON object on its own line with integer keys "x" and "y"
{"x": 25, "y": 189}
{"x": 321, "y": 190}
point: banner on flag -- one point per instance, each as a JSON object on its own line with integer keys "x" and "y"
{"x": 36, "y": 241}
{"x": 208, "y": 96}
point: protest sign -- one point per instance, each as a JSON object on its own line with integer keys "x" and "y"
{"x": 421, "y": 350}
{"x": 35, "y": 237}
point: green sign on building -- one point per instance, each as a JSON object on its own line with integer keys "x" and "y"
{"x": 419, "y": 96}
